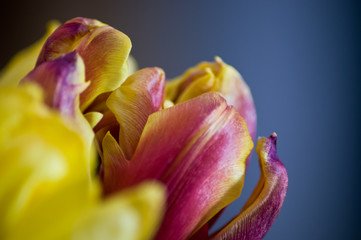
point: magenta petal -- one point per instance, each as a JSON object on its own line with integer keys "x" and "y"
{"x": 195, "y": 148}
{"x": 265, "y": 203}
{"x": 62, "y": 80}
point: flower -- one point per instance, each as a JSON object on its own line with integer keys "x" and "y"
{"x": 46, "y": 191}
{"x": 195, "y": 148}
{"x": 172, "y": 154}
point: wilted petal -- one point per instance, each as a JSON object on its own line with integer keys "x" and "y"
{"x": 134, "y": 214}
{"x": 24, "y": 61}
{"x": 139, "y": 96}
{"x": 264, "y": 205}
{"x": 196, "y": 148}
{"x": 62, "y": 80}
{"x": 104, "y": 50}
{"x": 215, "y": 76}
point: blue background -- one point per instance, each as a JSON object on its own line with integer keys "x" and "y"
{"x": 301, "y": 60}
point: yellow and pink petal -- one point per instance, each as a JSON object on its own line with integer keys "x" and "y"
{"x": 215, "y": 76}
{"x": 194, "y": 148}
{"x": 103, "y": 49}
{"x": 138, "y": 97}
{"x": 264, "y": 205}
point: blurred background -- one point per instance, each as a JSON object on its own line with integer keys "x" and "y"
{"x": 301, "y": 60}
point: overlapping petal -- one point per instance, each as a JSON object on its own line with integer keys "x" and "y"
{"x": 215, "y": 76}
{"x": 45, "y": 189}
{"x": 264, "y": 205}
{"x": 139, "y": 96}
{"x": 24, "y": 61}
{"x": 197, "y": 145}
{"x": 194, "y": 148}
{"x": 44, "y": 168}
{"x": 103, "y": 49}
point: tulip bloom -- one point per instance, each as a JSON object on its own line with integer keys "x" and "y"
{"x": 205, "y": 153}
{"x": 191, "y": 137}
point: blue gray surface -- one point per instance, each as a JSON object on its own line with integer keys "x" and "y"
{"x": 301, "y": 60}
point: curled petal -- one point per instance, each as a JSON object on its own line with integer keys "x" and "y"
{"x": 104, "y": 50}
{"x": 24, "y": 61}
{"x": 132, "y": 214}
{"x": 264, "y": 205}
{"x": 215, "y": 76}
{"x": 66, "y": 38}
{"x": 207, "y": 144}
{"x": 62, "y": 80}
{"x": 138, "y": 97}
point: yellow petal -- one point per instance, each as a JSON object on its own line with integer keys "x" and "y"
{"x": 93, "y": 118}
{"x": 132, "y": 65}
{"x": 44, "y": 178}
{"x": 24, "y": 61}
{"x": 139, "y": 96}
{"x": 133, "y": 214}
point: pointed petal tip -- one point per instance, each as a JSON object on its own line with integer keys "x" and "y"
{"x": 264, "y": 205}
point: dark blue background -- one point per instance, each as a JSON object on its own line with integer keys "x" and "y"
{"x": 301, "y": 60}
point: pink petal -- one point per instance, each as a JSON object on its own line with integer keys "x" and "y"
{"x": 62, "y": 80}
{"x": 265, "y": 203}
{"x": 195, "y": 148}
{"x": 215, "y": 76}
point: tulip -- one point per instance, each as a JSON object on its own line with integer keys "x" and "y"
{"x": 45, "y": 189}
{"x": 173, "y": 154}
{"x": 195, "y": 148}
{"x": 219, "y": 77}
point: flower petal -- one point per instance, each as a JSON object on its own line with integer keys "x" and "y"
{"x": 134, "y": 214}
{"x": 207, "y": 144}
{"x": 215, "y": 76}
{"x": 62, "y": 80}
{"x": 93, "y": 118}
{"x": 24, "y": 61}
{"x": 113, "y": 163}
{"x": 43, "y": 170}
{"x": 139, "y": 96}
{"x": 104, "y": 50}
{"x": 264, "y": 205}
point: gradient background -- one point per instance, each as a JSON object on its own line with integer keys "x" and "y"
{"x": 301, "y": 60}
